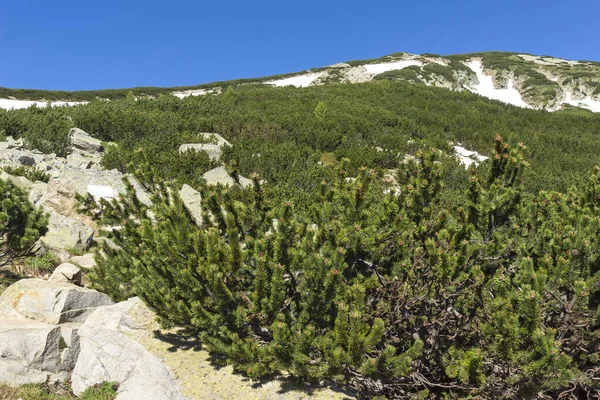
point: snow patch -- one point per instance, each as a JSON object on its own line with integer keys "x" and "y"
{"x": 376, "y": 69}
{"x": 486, "y": 87}
{"x": 199, "y": 92}
{"x": 298, "y": 80}
{"x": 588, "y": 102}
{"x": 468, "y": 157}
{"x": 10, "y": 104}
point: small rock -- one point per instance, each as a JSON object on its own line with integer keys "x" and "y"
{"x": 67, "y": 273}
{"x": 86, "y": 261}
{"x": 192, "y": 201}
{"x": 83, "y": 141}
{"x": 26, "y": 160}
{"x": 213, "y": 150}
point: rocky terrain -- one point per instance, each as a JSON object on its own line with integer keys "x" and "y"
{"x": 55, "y": 329}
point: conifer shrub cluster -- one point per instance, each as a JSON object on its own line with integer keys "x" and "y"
{"x": 44, "y": 129}
{"x": 399, "y": 294}
{"x": 21, "y": 224}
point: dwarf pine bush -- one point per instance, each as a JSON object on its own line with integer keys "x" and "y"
{"x": 21, "y": 224}
{"x": 398, "y": 294}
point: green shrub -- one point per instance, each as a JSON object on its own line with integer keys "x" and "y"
{"x": 469, "y": 300}
{"x": 31, "y": 173}
{"x": 20, "y": 223}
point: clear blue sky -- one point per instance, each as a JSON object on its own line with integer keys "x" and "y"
{"x": 71, "y": 45}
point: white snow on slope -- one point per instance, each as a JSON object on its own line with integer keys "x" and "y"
{"x": 298, "y": 80}
{"x": 468, "y": 157}
{"x": 377, "y": 69}
{"x": 588, "y": 102}
{"x": 486, "y": 87}
{"x": 187, "y": 93}
{"x": 9, "y": 104}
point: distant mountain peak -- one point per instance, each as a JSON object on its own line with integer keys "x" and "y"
{"x": 523, "y": 80}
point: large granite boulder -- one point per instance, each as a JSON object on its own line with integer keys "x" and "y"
{"x": 65, "y": 234}
{"x": 50, "y": 302}
{"x": 82, "y": 140}
{"x": 108, "y": 353}
{"x": 32, "y": 351}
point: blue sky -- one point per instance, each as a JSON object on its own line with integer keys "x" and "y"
{"x": 73, "y": 45}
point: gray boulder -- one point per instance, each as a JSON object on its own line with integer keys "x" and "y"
{"x": 108, "y": 352}
{"x": 86, "y": 261}
{"x": 79, "y": 161}
{"x": 219, "y": 176}
{"x": 215, "y": 137}
{"x": 50, "y": 302}
{"x": 65, "y": 233}
{"x": 31, "y": 352}
{"x": 26, "y": 160}
{"x": 192, "y": 201}
{"x": 82, "y": 140}
{"x": 213, "y": 150}
{"x": 66, "y": 273}
{"x": 19, "y": 181}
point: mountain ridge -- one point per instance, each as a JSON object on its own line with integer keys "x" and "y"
{"x": 520, "y": 79}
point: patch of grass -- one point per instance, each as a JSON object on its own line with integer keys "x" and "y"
{"x": 328, "y": 159}
{"x": 38, "y": 265}
{"x": 103, "y": 391}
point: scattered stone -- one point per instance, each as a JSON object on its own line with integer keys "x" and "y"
{"x": 215, "y": 137}
{"x": 86, "y": 261}
{"x": 51, "y": 302}
{"x": 214, "y": 151}
{"x": 192, "y": 201}
{"x": 83, "y": 141}
{"x": 79, "y": 161}
{"x": 19, "y": 181}
{"x": 66, "y": 233}
{"x": 219, "y": 176}
{"x": 27, "y": 161}
{"x": 67, "y": 273}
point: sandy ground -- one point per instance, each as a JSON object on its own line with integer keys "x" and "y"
{"x": 201, "y": 379}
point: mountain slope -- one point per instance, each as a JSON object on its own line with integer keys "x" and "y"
{"x": 523, "y": 80}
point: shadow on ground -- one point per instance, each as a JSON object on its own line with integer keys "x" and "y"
{"x": 278, "y": 385}
{"x": 7, "y": 278}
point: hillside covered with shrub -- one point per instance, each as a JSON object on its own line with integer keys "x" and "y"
{"x": 455, "y": 283}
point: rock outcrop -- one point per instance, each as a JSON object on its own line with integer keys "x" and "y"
{"x": 56, "y": 331}
{"x": 107, "y": 354}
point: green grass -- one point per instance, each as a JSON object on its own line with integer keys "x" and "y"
{"x": 104, "y": 391}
